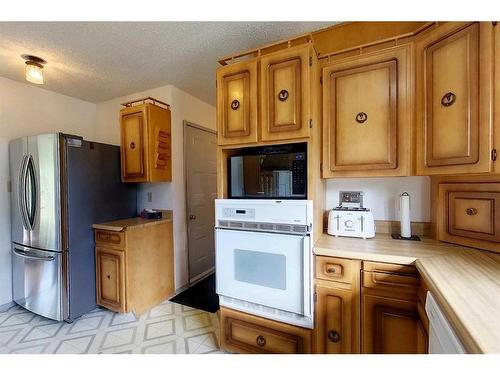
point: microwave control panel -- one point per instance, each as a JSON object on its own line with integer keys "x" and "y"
{"x": 238, "y": 213}
{"x": 299, "y": 178}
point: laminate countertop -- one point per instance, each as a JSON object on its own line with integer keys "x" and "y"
{"x": 465, "y": 282}
{"x": 382, "y": 248}
{"x": 128, "y": 224}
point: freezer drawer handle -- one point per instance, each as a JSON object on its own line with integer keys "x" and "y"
{"x": 23, "y": 254}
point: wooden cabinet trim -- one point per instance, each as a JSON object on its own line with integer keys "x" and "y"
{"x": 128, "y": 148}
{"x": 118, "y": 303}
{"x": 380, "y": 313}
{"x": 110, "y": 238}
{"x": 384, "y": 280}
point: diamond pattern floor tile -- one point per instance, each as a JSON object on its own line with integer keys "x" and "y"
{"x": 167, "y": 328}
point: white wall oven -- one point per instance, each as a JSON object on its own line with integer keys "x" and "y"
{"x": 264, "y": 257}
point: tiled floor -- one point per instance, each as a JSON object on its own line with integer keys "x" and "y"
{"x": 167, "y": 328}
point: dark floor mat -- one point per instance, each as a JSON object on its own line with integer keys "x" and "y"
{"x": 200, "y": 295}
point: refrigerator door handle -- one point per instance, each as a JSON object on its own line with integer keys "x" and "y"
{"x": 25, "y": 254}
{"x": 30, "y": 191}
{"x": 22, "y": 192}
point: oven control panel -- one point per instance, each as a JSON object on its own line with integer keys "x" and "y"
{"x": 238, "y": 213}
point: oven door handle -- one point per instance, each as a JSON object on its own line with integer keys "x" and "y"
{"x": 263, "y": 231}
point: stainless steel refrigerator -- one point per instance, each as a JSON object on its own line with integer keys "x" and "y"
{"x": 61, "y": 185}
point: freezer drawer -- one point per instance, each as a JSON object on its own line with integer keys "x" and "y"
{"x": 37, "y": 281}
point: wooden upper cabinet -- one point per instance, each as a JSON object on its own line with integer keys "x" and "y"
{"x": 237, "y": 103}
{"x": 454, "y": 99}
{"x": 285, "y": 94}
{"x": 146, "y": 154}
{"x": 366, "y": 115}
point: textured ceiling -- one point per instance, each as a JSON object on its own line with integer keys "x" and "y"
{"x": 97, "y": 61}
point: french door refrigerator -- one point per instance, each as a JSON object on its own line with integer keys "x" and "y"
{"x": 61, "y": 185}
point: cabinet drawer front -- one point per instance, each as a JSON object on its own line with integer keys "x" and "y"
{"x": 133, "y": 143}
{"x": 334, "y": 269}
{"x": 394, "y": 282}
{"x": 110, "y": 238}
{"x": 452, "y": 81}
{"x": 389, "y": 267}
{"x": 474, "y": 215}
{"x": 247, "y": 333}
{"x": 363, "y": 117}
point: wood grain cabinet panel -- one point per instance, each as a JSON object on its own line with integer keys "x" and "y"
{"x": 469, "y": 214}
{"x": 334, "y": 320}
{"x": 237, "y": 103}
{"x": 246, "y": 333}
{"x": 134, "y": 266}
{"x": 285, "y": 94}
{"x": 146, "y": 154}
{"x": 390, "y": 326}
{"x": 110, "y": 279}
{"x": 454, "y": 124}
{"x": 366, "y": 101}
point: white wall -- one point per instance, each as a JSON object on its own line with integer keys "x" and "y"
{"x": 26, "y": 109}
{"x": 382, "y": 195}
{"x": 164, "y": 195}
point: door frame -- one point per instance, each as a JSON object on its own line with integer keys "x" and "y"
{"x": 186, "y": 124}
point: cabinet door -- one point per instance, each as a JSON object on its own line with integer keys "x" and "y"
{"x": 285, "y": 95}
{"x": 237, "y": 103}
{"x": 133, "y": 122}
{"x": 454, "y": 70}
{"x": 366, "y": 115}
{"x": 390, "y": 326}
{"x": 335, "y": 313}
{"x": 110, "y": 279}
{"x": 160, "y": 144}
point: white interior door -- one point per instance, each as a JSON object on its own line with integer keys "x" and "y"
{"x": 263, "y": 268}
{"x": 201, "y": 191}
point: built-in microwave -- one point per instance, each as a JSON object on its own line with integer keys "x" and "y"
{"x": 269, "y": 172}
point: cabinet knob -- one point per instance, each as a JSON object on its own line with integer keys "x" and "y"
{"x": 330, "y": 270}
{"x": 333, "y": 336}
{"x": 132, "y": 145}
{"x": 192, "y": 217}
{"x": 448, "y": 99}
{"x": 283, "y": 95}
{"x": 471, "y": 211}
{"x": 261, "y": 340}
{"x": 361, "y": 117}
{"x": 235, "y": 104}
{"x": 109, "y": 277}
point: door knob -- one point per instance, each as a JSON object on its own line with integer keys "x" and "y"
{"x": 192, "y": 217}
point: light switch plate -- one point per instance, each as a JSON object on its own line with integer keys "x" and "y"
{"x": 150, "y": 197}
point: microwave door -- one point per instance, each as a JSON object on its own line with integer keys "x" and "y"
{"x": 43, "y": 192}
{"x": 18, "y": 157}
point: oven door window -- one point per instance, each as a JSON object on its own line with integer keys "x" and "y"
{"x": 263, "y": 268}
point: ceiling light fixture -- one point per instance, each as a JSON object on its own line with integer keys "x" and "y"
{"x": 34, "y": 69}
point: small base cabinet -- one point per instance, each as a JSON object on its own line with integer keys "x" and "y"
{"x": 337, "y": 306}
{"x": 246, "y": 333}
{"x": 134, "y": 264}
{"x": 390, "y": 320}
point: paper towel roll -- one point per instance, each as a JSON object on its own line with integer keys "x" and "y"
{"x": 405, "y": 215}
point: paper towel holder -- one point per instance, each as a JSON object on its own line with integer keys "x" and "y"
{"x": 400, "y": 237}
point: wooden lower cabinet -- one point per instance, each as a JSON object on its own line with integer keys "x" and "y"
{"x": 134, "y": 264}
{"x": 337, "y": 315}
{"x": 110, "y": 278}
{"x": 391, "y": 326}
{"x": 246, "y": 333}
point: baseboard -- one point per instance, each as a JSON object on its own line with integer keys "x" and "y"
{"x": 6, "y": 306}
